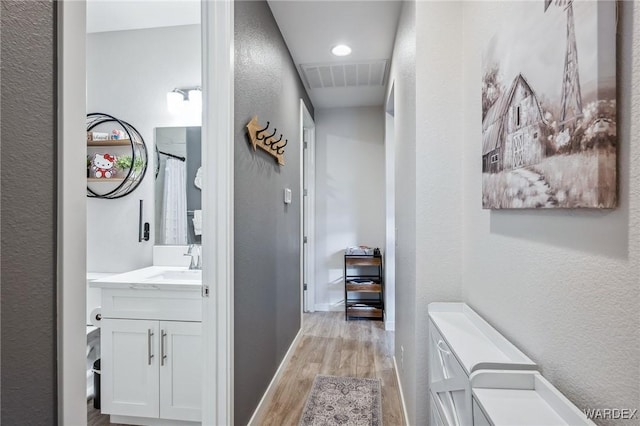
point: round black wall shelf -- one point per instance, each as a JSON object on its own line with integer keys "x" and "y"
{"x": 109, "y": 135}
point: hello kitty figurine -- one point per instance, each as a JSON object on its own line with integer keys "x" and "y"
{"x": 103, "y": 165}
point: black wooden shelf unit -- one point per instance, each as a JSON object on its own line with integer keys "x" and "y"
{"x": 363, "y": 286}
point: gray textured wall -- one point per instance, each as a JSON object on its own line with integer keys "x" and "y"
{"x": 194, "y": 194}
{"x": 267, "y": 232}
{"x": 28, "y": 228}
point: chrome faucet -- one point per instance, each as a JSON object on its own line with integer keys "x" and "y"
{"x": 194, "y": 252}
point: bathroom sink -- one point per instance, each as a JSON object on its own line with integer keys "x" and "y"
{"x": 188, "y": 275}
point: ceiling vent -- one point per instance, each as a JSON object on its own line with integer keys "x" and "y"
{"x": 361, "y": 74}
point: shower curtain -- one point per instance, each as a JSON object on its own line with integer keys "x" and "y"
{"x": 174, "y": 206}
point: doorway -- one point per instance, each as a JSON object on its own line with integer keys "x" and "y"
{"x": 390, "y": 200}
{"x": 308, "y": 171}
{"x": 217, "y": 203}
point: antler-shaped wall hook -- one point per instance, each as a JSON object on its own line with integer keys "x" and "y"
{"x": 260, "y": 137}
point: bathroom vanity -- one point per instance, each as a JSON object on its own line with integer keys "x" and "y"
{"x": 152, "y": 346}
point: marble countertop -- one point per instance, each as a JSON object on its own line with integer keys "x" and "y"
{"x": 153, "y": 278}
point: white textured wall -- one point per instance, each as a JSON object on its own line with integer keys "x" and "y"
{"x": 402, "y": 77}
{"x": 128, "y": 76}
{"x": 349, "y": 192}
{"x": 562, "y": 285}
{"x": 439, "y": 168}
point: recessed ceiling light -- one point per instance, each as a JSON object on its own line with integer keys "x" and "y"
{"x": 341, "y": 50}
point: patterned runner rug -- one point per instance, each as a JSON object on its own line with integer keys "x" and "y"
{"x": 343, "y": 401}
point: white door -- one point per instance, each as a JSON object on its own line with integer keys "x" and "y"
{"x": 180, "y": 370}
{"x": 518, "y": 150}
{"x": 129, "y": 367}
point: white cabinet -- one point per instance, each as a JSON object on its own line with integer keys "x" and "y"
{"x": 460, "y": 343}
{"x": 151, "y": 353}
{"x": 151, "y": 369}
{"x": 525, "y": 398}
{"x": 436, "y": 417}
{"x": 130, "y": 377}
{"x": 477, "y": 377}
{"x": 449, "y": 384}
{"x": 180, "y": 370}
{"x": 479, "y": 418}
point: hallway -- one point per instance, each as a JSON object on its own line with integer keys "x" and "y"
{"x": 332, "y": 346}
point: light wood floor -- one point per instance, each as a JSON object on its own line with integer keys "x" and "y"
{"x": 95, "y": 418}
{"x": 332, "y": 346}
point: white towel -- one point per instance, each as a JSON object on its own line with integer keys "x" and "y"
{"x": 197, "y": 222}
{"x": 198, "y": 180}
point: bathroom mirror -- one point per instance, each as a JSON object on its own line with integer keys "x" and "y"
{"x": 178, "y": 201}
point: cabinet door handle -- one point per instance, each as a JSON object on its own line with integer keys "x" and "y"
{"x": 149, "y": 336}
{"x": 163, "y": 354}
{"x": 442, "y": 348}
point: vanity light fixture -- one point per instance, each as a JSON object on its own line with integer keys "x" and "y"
{"x": 195, "y": 97}
{"x": 175, "y": 101}
{"x": 341, "y": 50}
{"x": 182, "y": 99}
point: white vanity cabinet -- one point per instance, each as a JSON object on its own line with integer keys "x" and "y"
{"x": 181, "y": 370}
{"x": 151, "y": 368}
{"x": 460, "y": 343}
{"x": 130, "y": 379}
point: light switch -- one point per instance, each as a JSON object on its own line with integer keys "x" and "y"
{"x": 287, "y": 196}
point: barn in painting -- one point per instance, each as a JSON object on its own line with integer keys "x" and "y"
{"x": 512, "y": 130}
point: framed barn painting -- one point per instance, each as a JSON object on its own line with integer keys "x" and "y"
{"x": 549, "y": 107}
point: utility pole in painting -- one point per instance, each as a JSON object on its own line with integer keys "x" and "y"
{"x": 571, "y": 94}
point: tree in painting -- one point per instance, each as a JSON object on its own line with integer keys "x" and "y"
{"x": 549, "y": 110}
{"x": 491, "y": 88}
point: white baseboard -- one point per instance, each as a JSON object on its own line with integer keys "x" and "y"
{"x": 147, "y": 421}
{"x": 404, "y": 405}
{"x": 330, "y": 307}
{"x": 260, "y": 411}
